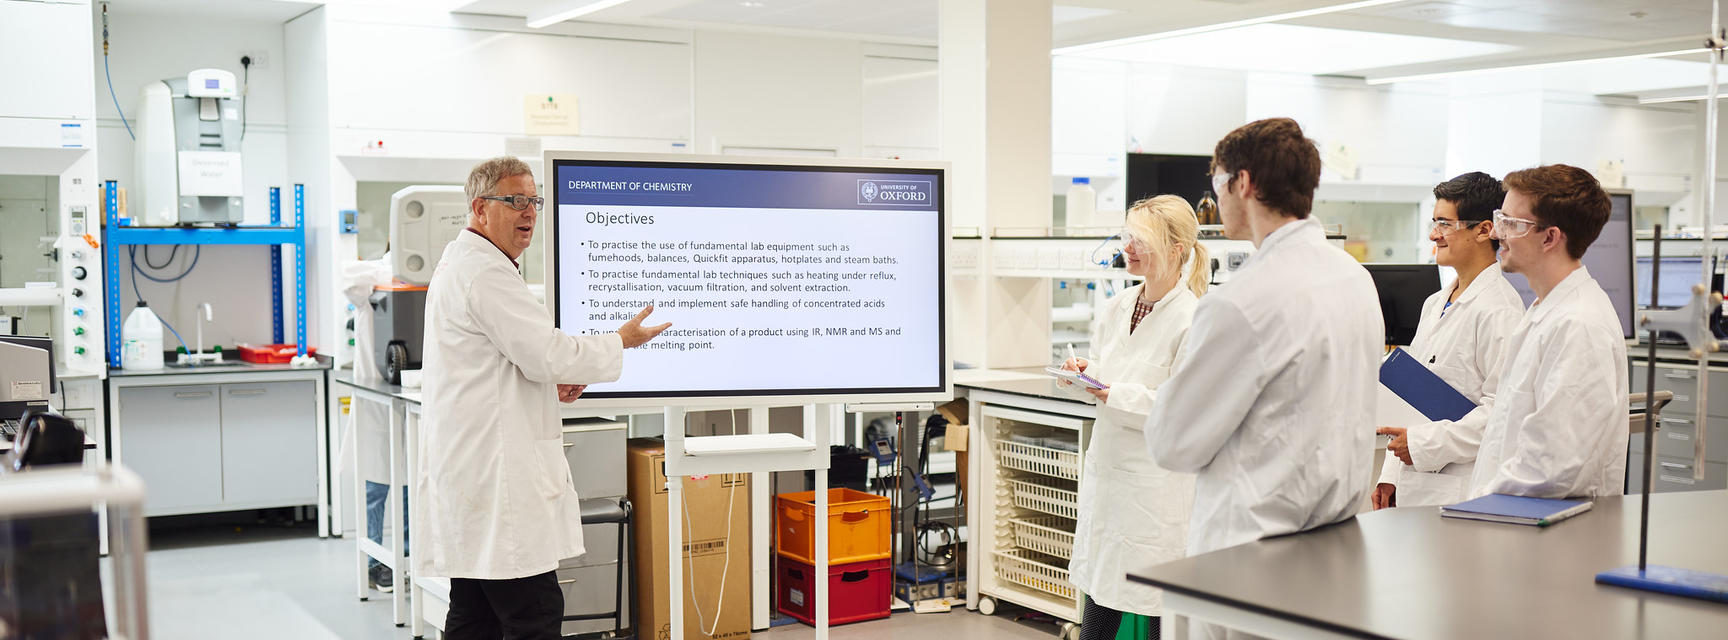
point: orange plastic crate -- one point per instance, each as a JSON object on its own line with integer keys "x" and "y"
{"x": 858, "y": 525}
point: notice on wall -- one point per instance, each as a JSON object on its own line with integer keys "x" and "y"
{"x": 549, "y": 114}
{"x": 776, "y": 280}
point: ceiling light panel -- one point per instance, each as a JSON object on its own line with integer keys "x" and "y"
{"x": 1296, "y": 49}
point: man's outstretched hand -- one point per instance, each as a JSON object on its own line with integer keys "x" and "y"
{"x": 568, "y": 393}
{"x": 635, "y": 335}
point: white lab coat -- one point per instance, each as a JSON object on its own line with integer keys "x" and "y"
{"x": 1465, "y": 346}
{"x": 1132, "y": 512}
{"x": 1272, "y": 398}
{"x": 1558, "y": 426}
{"x": 493, "y": 487}
{"x": 369, "y": 421}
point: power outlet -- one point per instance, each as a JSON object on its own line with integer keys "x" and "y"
{"x": 259, "y": 60}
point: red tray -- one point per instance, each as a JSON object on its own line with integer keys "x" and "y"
{"x": 270, "y": 353}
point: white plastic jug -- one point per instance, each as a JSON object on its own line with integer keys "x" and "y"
{"x": 141, "y": 339}
{"x": 1082, "y": 207}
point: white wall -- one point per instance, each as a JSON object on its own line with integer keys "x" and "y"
{"x": 778, "y": 93}
{"x": 148, "y": 47}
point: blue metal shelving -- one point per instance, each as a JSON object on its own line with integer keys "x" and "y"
{"x": 114, "y": 236}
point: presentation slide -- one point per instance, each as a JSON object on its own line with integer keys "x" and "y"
{"x": 777, "y": 280}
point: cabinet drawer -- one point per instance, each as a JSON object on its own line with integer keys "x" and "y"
{"x": 596, "y": 459}
{"x": 172, "y": 437}
{"x": 591, "y": 590}
{"x": 601, "y": 541}
{"x": 269, "y": 442}
{"x": 1677, "y": 434}
{"x": 1675, "y": 474}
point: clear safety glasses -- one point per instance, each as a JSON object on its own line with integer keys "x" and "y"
{"x": 1447, "y": 226}
{"x": 1506, "y": 226}
{"x": 1219, "y": 181}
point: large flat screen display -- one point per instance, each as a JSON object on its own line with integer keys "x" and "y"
{"x": 1609, "y": 260}
{"x": 779, "y": 278}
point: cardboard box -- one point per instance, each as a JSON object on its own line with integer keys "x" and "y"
{"x": 709, "y": 545}
{"x": 958, "y": 439}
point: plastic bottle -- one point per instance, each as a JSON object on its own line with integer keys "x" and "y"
{"x": 141, "y": 339}
{"x": 1082, "y": 203}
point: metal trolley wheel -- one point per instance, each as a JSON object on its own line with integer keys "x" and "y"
{"x": 987, "y": 606}
{"x": 1070, "y": 631}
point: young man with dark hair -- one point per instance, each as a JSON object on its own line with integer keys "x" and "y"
{"x": 1462, "y": 338}
{"x": 1558, "y": 424}
{"x": 1272, "y": 397}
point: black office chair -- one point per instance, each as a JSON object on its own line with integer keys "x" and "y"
{"x": 619, "y": 512}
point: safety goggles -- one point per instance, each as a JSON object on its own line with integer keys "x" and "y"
{"x": 1219, "y": 181}
{"x": 1447, "y": 226}
{"x": 519, "y": 202}
{"x": 1506, "y": 226}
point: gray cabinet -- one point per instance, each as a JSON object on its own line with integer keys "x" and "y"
{"x": 173, "y": 441}
{"x": 1679, "y": 431}
{"x": 269, "y": 448}
{"x": 233, "y": 444}
{"x": 594, "y": 450}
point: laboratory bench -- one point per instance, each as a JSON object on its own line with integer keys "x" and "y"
{"x": 222, "y": 437}
{"x": 1409, "y": 573}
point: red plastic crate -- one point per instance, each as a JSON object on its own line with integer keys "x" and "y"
{"x": 856, "y": 592}
{"x": 271, "y": 353}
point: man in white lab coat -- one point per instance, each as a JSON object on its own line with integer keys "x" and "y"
{"x": 1558, "y": 424}
{"x": 500, "y": 510}
{"x": 1271, "y": 402}
{"x": 1461, "y": 337}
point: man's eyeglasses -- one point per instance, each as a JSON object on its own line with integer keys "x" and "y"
{"x": 519, "y": 202}
{"x": 1506, "y": 226}
{"x": 1447, "y": 226}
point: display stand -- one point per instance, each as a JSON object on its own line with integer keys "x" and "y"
{"x": 751, "y": 453}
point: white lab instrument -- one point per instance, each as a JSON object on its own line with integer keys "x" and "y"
{"x": 141, "y": 339}
{"x": 1132, "y": 512}
{"x": 1272, "y": 400}
{"x": 1464, "y": 344}
{"x": 423, "y": 220}
{"x": 1549, "y": 439}
{"x": 491, "y": 431}
{"x": 188, "y": 151}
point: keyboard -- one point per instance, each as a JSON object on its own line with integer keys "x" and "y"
{"x": 9, "y": 429}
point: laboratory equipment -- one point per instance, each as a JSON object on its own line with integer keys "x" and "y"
{"x": 1403, "y": 288}
{"x": 188, "y": 151}
{"x": 1082, "y": 203}
{"x": 26, "y": 378}
{"x": 141, "y": 339}
{"x": 423, "y": 220}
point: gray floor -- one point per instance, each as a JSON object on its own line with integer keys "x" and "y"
{"x": 229, "y": 576}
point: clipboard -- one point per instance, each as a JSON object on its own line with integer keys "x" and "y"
{"x": 1075, "y": 377}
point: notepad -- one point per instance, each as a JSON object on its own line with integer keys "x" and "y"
{"x": 1075, "y": 377}
{"x": 1500, "y": 507}
{"x": 1418, "y": 386}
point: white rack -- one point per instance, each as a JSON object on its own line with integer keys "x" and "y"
{"x": 1033, "y": 466}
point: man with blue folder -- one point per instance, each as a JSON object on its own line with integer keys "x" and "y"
{"x": 1558, "y": 423}
{"x": 1461, "y": 338}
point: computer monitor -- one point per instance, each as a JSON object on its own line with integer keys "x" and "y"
{"x": 26, "y": 374}
{"x": 1152, "y": 174}
{"x": 1609, "y": 260}
{"x": 1403, "y": 288}
{"x": 1679, "y": 273}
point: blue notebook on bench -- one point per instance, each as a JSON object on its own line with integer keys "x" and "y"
{"x": 1499, "y": 507}
{"x": 1418, "y": 386}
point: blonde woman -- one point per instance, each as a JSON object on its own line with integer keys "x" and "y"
{"x": 1132, "y": 513}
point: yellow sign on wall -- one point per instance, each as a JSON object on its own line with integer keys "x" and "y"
{"x": 549, "y": 114}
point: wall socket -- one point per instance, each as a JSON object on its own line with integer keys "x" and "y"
{"x": 259, "y": 59}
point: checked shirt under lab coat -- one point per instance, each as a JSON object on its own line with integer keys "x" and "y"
{"x": 1132, "y": 513}
{"x": 1558, "y": 426}
{"x": 1272, "y": 400}
{"x": 1465, "y": 345}
{"x": 494, "y": 488}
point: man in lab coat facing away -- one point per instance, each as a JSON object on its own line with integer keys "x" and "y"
{"x": 500, "y": 510}
{"x": 1462, "y": 338}
{"x": 1272, "y": 399}
{"x": 1558, "y": 425}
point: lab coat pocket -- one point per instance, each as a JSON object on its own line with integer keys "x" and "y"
{"x": 1419, "y": 488}
{"x": 552, "y": 478}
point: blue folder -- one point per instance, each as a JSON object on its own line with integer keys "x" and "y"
{"x": 1419, "y": 386}
{"x": 1498, "y": 507}
{"x": 1670, "y": 580}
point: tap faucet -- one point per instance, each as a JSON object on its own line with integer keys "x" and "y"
{"x": 208, "y": 316}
